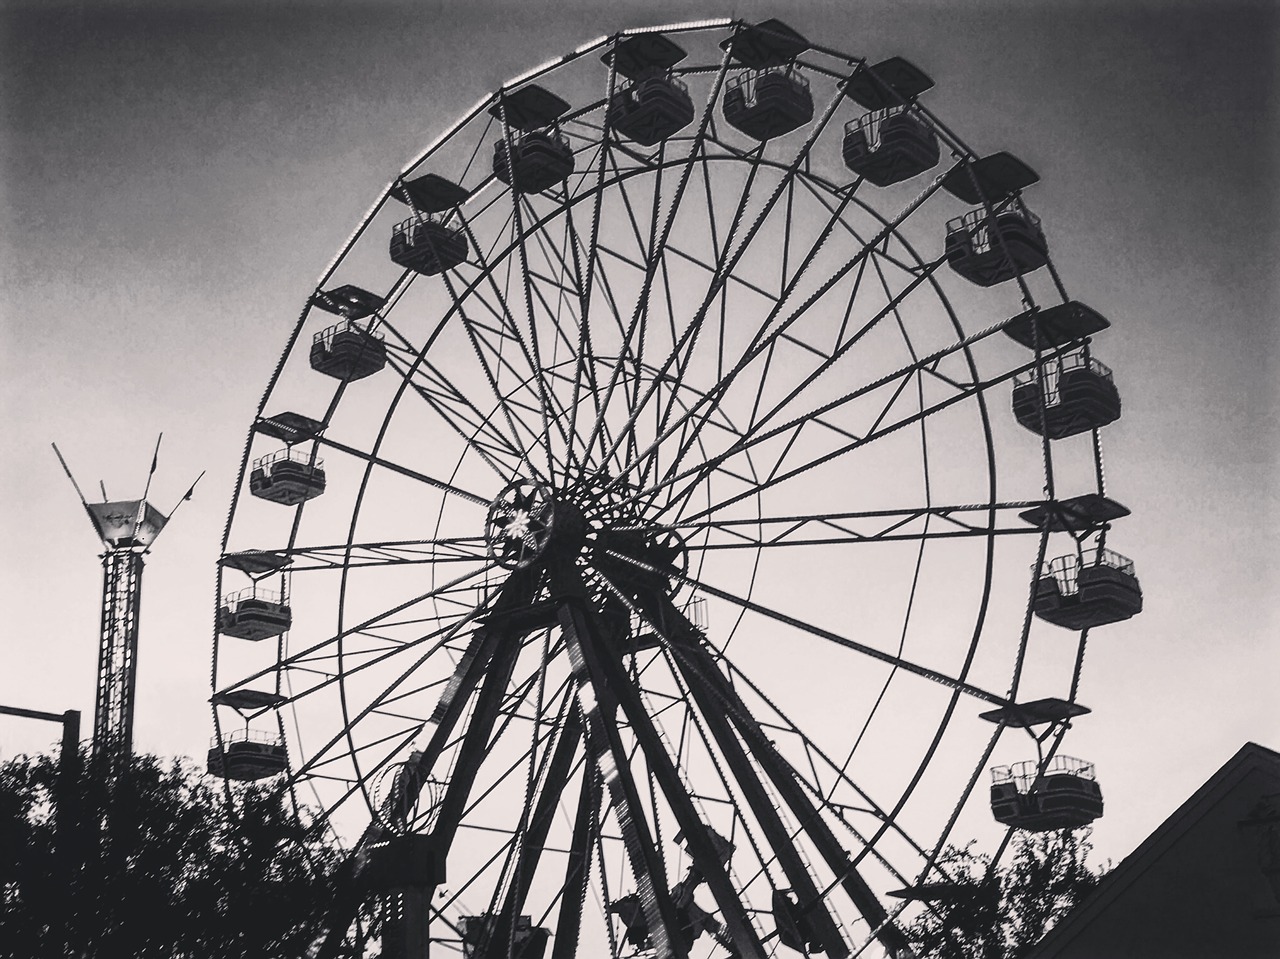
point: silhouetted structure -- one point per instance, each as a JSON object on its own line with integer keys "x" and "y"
{"x": 1205, "y": 883}
{"x": 127, "y": 529}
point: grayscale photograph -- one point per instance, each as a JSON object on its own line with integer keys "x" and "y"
{"x": 627, "y": 480}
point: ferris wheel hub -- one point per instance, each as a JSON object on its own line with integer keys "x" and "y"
{"x": 520, "y": 523}
{"x": 594, "y": 518}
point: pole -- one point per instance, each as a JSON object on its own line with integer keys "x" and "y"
{"x": 66, "y": 808}
{"x": 69, "y": 753}
{"x": 69, "y": 757}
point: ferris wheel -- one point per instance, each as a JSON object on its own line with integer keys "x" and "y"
{"x": 690, "y": 485}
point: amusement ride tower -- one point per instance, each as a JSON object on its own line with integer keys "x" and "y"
{"x": 127, "y": 528}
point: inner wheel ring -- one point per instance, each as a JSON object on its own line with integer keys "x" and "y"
{"x": 519, "y": 524}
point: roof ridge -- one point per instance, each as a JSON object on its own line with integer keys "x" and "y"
{"x": 1145, "y": 854}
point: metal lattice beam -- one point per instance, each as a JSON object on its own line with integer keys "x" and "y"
{"x": 117, "y": 662}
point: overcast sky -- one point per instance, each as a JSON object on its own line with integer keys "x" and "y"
{"x": 176, "y": 176}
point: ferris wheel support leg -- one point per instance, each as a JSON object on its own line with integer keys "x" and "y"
{"x": 680, "y": 632}
{"x": 605, "y": 746}
{"x": 406, "y": 929}
{"x": 608, "y": 676}
{"x": 476, "y": 666}
{"x": 578, "y": 872}
{"x": 475, "y": 744}
{"x": 703, "y": 672}
{"x": 406, "y": 935}
{"x": 535, "y": 835}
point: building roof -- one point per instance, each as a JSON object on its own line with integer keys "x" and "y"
{"x": 1251, "y": 757}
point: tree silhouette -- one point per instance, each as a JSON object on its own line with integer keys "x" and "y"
{"x": 159, "y": 866}
{"x": 1002, "y": 913}
{"x": 163, "y": 867}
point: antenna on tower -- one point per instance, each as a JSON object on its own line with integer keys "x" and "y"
{"x": 155, "y": 461}
{"x": 67, "y": 469}
{"x": 188, "y": 496}
{"x": 127, "y": 528}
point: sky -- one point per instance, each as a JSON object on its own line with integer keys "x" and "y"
{"x": 176, "y": 176}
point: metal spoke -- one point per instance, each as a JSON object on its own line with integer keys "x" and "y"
{"x": 474, "y": 332}
{"x": 764, "y": 338}
{"x": 901, "y": 376}
{"x": 822, "y": 529}
{"x": 922, "y": 671}
{"x": 487, "y": 441}
{"x": 658, "y": 243}
{"x": 725, "y": 264}
{"x": 441, "y": 636}
{"x": 449, "y": 549}
{"x": 374, "y": 460}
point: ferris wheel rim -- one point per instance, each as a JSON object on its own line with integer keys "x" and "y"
{"x": 518, "y": 244}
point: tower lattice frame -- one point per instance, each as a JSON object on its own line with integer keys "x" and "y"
{"x": 127, "y": 528}
{"x": 117, "y": 660}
